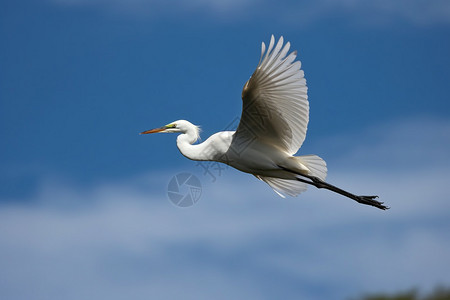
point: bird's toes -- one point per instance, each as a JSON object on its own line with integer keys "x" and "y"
{"x": 371, "y": 197}
{"x": 370, "y": 200}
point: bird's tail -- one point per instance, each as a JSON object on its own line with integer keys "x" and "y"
{"x": 316, "y": 165}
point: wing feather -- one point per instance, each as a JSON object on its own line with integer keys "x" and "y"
{"x": 284, "y": 186}
{"x": 275, "y": 100}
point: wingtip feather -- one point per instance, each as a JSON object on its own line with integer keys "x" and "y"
{"x": 271, "y": 44}
{"x": 263, "y": 49}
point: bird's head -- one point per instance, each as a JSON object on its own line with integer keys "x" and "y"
{"x": 182, "y": 126}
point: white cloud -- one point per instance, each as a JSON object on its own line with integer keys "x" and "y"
{"x": 419, "y": 12}
{"x": 170, "y": 8}
{"x": 123, "y": 240}
{"x": 379, "y": 12}
{"x": 416, "y": 144}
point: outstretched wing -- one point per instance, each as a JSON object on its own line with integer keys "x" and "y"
{"x": 275, "y": 101}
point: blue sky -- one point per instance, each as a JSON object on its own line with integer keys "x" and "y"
{"x": 83, "y": 205}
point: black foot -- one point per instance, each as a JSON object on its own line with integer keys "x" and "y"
{"x": 370, "y": 200}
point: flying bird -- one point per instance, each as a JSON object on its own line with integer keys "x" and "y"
{"x": 272, "y": 128}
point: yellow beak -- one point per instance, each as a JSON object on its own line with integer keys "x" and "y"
{"x": 154, "y": 130}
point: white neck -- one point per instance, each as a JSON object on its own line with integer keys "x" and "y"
{"x": 185, "y": 143}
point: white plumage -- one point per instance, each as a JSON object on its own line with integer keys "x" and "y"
{"x": 274, "y": 120}
{"x": 277, "y": 90}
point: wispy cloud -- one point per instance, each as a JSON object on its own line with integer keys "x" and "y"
{"x": 402, "y": 144}
{"x": 379, "y": 12}
{"x": 383, "y": 12}
{"x": 122, "y": 239}
{"x": 160, "y": 9}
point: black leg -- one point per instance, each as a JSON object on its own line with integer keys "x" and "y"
{"x": 318, "y": 183}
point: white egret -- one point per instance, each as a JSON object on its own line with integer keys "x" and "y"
{"x": 272, "y": 128}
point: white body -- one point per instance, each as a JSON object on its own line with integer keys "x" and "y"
{"x": 272, "y": 128}
{"x": 275, "y": 115}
